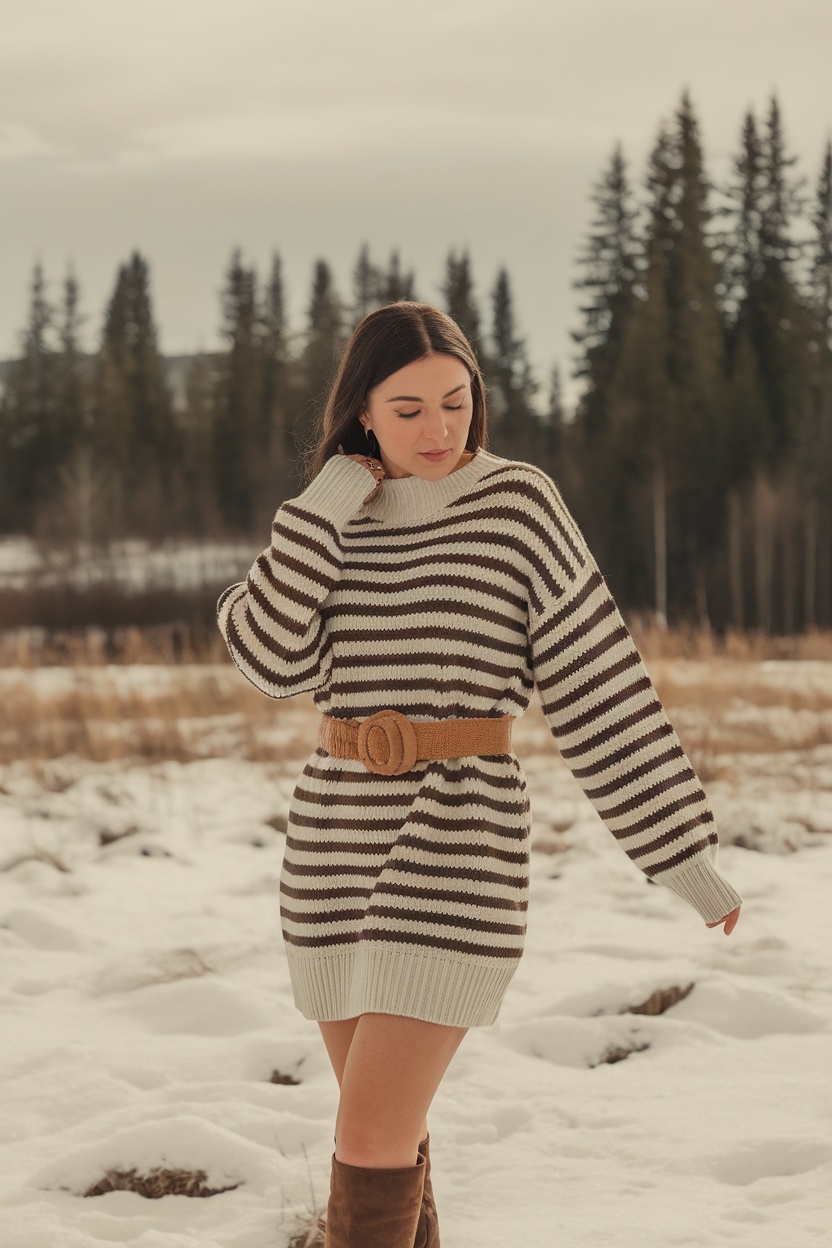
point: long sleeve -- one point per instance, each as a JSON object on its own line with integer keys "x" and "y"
{"x": 609, "y": 723}
{"x": 271, "y": 622}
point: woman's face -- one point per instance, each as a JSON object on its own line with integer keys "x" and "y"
{"x": 425, "y": 406}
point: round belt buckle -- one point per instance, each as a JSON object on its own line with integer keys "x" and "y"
{"x": 387, "y": 743}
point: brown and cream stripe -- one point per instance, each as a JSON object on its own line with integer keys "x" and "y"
{"x": 450, "y": 598}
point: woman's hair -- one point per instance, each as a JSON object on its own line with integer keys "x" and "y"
{"x": 382, "y": 342}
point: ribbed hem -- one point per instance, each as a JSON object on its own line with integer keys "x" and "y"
{"x": 374, "y": 977}
{"x": 703, "y": 887}
{"x": 338, "y": 491}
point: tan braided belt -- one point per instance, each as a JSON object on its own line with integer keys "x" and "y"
{"x": 389, "y": 743}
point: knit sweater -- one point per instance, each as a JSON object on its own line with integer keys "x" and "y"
{"x": 453, "y": 597}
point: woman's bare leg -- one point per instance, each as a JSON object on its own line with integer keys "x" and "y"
{"x": 388, "y": 1069}
{"x": 337, "y": 1037}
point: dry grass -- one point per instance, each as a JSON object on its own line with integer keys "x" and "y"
{"x": 170, "y": 644}
{"x": 687, "y": 642}
{"x": 157, "y": 1183}
{"x": 192, "y": 713}
{"x": 736, "y": 707}
{"x": 189, "y": 708}
{"x": 177, "y": 643}
{"x": 311, "y": 1236}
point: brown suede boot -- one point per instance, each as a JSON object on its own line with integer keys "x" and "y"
{"x": 370, "y": 1208}
{"x": 427, "y": 1232}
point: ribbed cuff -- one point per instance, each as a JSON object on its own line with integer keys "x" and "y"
{"x": 337, "y": 493}
{"x": 703, "y": 887}
{"x": 223, "y": 599}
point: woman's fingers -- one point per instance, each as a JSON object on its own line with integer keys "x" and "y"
{"x": 374, "y": 466}
{"x": 730, "y": 921}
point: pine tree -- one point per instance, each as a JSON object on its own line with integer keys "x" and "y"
{"x": 555, "y": 444}
{"x": 609, "y": 263}
{"x": 76, "y": 506}
{"x": 627, "y": 450}
{"x": 133, "y": 423}
{"x": 398, "y": 285}
{"x": 367, "y": 285}
{"x": 30, "y": 447}
{"x": 323, "y": 341}
{"x": 815, "y": 458}
{"x": 638, "y": 449}
{"x": 201, "y": 514}
{"x": 275, "y": 404}
{"x": 738, "y": 245}
{"x": 821, "y": 272}
{"x": 324, "y": 337}
{"x": 513, "y": 421}
{"x": 749, "y": 434}
{"x": 697, "y": 368}
{"x": 667, "y": 399}
{"x": 778, "y": 319}
{"x": 71, "y": 373}
{"x": 238, "y": 416}
{"x": 460, "y": 300}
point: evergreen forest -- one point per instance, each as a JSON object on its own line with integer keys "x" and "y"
{"x": 697, "y": 458}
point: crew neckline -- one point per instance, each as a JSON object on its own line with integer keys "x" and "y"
{"x": 413, "y": 498}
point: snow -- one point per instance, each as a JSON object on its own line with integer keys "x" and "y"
{"x": 146, "y": 1004}
{"x": 132, "y": 564}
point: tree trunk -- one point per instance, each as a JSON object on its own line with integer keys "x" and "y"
{"x": 735, "y": 557}
{"x": 700, "y": 589}
{"x": 764, "y": 506}
{"x": 810, "y": 562}
{"x": 824, "y": 599}
{"x": 660, "y": 544}
{"x": 789, "y": 545}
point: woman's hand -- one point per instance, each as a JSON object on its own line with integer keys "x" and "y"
{"x": 730, "y": 921}
{"x": 374, "y": 466}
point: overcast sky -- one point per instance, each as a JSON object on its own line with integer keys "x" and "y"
{"x": 186, "y": 128}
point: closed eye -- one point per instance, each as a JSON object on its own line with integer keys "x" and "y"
{"x": 448, "y": 408}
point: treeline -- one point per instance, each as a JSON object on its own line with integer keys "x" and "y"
{"x": 102, "y": 446}
{"x": 698, "y": 459}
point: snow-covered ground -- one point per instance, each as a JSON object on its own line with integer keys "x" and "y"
{"x": 131, "y": 564}
{"x": 146, "y": 1007}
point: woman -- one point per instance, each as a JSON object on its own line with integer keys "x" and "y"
{"x": 422, "y": 614}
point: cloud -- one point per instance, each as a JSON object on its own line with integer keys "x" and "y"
{"x": 20, "y": 142}
{"x": 353, "y": 129}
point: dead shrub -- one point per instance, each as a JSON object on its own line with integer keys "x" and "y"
{"x": 157, "y": 1183}
{"x": 618, "y": 1052}
{"x": 660, "y": 1000}
{"x": 311, "y": 1236}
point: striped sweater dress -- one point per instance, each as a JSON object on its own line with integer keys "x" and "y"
{"x": 407, "y": 894}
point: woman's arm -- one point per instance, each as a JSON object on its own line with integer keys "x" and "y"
{"x": 271, "y": 622}
{"x": 610, "y": 725}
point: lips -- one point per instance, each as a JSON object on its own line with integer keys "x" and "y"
{"x": 435, "y": 454}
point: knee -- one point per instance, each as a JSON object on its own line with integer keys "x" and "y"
{"x": 360, "y": 1144}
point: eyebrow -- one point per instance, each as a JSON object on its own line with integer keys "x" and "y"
{"x": 414, "y": 398}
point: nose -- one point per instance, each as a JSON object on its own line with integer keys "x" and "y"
{"x": 436, "y": 430}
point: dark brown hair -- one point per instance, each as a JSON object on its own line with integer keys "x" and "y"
{"x": 382, "y": 342}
